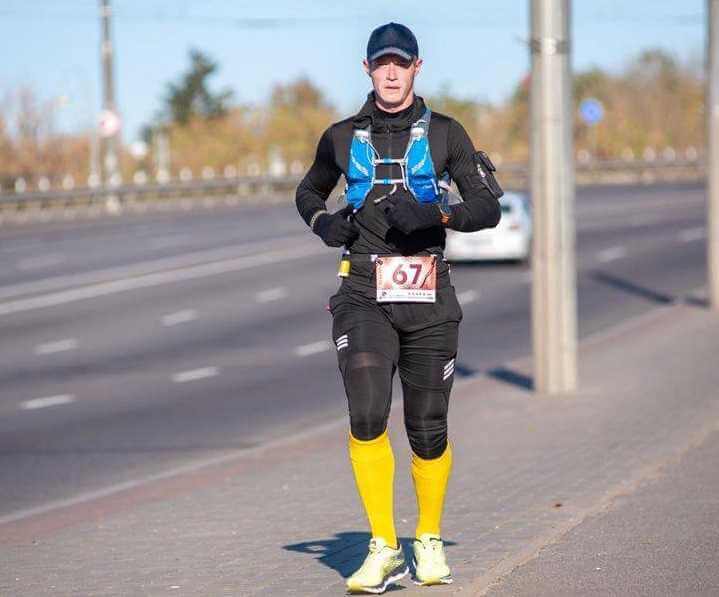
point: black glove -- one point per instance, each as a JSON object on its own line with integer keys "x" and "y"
{"x": 334, "y": 228}
{"x": 406, "y": 214}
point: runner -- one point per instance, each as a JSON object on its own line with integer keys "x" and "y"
{"x": 396, "y": 307}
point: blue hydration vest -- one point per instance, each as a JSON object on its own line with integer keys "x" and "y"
{"x": 417, "y": 168}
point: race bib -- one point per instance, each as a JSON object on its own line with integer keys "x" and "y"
{"x": 406, "y": 279}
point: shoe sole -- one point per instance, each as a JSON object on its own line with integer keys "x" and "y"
{"x": 445, "y": 580}
{"x": 381, "y": 588}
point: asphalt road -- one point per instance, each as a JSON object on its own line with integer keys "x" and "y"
{"x": 135, "y": 344}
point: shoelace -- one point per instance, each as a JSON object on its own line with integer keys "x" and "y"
{"x": 436, "y": 546}
{"x": 375, "y": 550}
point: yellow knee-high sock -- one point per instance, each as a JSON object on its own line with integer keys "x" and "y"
{"x": 373, "y": 465}
{"x": 430, "y": 484}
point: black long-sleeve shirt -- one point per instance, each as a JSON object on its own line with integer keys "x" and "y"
{"x": 452, "y": 152}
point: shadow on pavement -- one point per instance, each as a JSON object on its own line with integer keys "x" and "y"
{"x": 696, "y": 301}
{"x": 631, "y": 288}
{"x": 465, "y": 370}
{"x": 514, "y": 378}
{"x": 345, "y": 552}
{"x": 648, "y": 293}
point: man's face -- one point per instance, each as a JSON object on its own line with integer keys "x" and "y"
{"x": 393, "y": 77}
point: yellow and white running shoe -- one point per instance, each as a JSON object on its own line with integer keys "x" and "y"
{"x": 382, "y": 566}
{"x": 430, "y": 563}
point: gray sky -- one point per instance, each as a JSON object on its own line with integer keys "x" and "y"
{"x": 476, "y": 48}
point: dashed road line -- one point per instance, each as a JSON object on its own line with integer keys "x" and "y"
{"x": 611, "y": 254}
{"x": 272, "y": 294}
{"x": 468, "y": 296}
{"x": 166, "y": 242}
{"x": 644, "y": 220}
{"x": 179, "y": 317}
{"x": 313, "y": 348}
{"x": 47, "y": 401}
{"x": 56, "y": 346}
{"x": 194, "y": 374}
{"x": 691, "y": 234}
{"x": 40, "y": 262}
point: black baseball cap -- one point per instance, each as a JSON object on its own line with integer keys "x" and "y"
{"x": 392, "y": 38}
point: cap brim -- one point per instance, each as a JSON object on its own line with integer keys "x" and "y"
{"x": 385, "y": 51}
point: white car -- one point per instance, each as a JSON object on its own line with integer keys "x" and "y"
{"x": 511, "y": 239}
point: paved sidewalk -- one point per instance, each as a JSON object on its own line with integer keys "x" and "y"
{"x": 285, "y": 519}
{"x": 661, "y": 540}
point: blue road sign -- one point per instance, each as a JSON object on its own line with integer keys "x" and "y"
{"x": 591, "y": 110}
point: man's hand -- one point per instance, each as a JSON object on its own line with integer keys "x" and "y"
{"x": 334, "y": 229}
{"x": 406, "y": 214}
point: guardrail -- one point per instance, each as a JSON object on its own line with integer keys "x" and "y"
{"x": 255, "y": 189}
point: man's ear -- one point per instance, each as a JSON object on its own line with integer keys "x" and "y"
{"x": 365, "y": 64}
{"x": 418, "y": 65}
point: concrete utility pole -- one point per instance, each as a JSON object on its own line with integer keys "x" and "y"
{"x": 110, "y": 120}
{"x": 554, "y": 302}
{"x": 712, "y": 110}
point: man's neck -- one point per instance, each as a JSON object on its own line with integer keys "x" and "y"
{"x": 393, "y": 109}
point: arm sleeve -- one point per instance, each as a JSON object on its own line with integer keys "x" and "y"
{"x": 479, "y": 208}
{"x": 319, "y": 181}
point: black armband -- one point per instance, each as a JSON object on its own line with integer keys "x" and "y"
{"x": 485, "y": 169}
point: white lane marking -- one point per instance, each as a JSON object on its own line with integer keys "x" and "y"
{"x": 41, "y": 262}
{"x": 47, "y": 401}
{"x": 194, "y": 374}
{"x": 272, "y": 294}
{"x": 57, "y": 346}
{"x": 19, "y": 245}
{"x": 167, "y": 241}
{"x": 611, "y": 254}
{"x": 179, "y": 317}
{"x": 691, "y": 234}
{"x": 643, "y": 220}
{"x": 148, "y": 267}
{"x": 157, "y": 279}
{"x": 468, "y": 296}
{"x": 313, "y": 348}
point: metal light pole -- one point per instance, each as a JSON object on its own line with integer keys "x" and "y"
{"x": 554, "y": 303}
{"x": 712, "y": 114}
{"x": 110, "y": 123}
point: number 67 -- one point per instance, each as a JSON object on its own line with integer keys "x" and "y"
{"x": 400, "y": 276}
